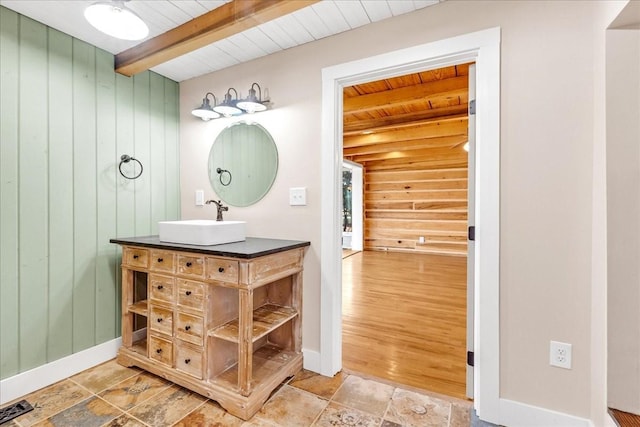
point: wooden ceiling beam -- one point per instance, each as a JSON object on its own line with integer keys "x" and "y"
{"x": 431, "y": 130}
{"x": 436, "y": 90}
{"x": 403, "y": 120}
{"x": 399, "y": 124}
{"x": 217, "y": 24}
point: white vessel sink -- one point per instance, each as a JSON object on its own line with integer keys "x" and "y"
{"x": 202, "y": 231}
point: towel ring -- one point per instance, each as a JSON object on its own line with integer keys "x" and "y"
{"x": 221, "y": 172}
{"x": 125, "y": 158}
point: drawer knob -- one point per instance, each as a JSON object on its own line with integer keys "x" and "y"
{"x": 187, "y": 361}
{"x": 186, "y": 328}
{"x": 159, "y": 351}
{"x": 221, "y": 269}
{"x": 188, "y": 293}
{"x": 136, "y": 256}
{"x": 160, "y": 287}
{"x": 159, "y": 319}
{"x": 188, "y": 264}
{"x": 160, "y": 260}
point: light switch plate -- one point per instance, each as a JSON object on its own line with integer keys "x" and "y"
{"x": 298, "y": 196}
{"x": 199, "y": 197}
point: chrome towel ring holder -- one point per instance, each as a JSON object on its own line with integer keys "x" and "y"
{"x": 125, "y": 158}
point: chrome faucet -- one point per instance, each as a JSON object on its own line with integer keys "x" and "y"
{"x": 219, "y": 207}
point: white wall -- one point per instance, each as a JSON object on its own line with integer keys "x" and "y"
{"x": 623, "y": 198}
{"x": 546, "y": 174}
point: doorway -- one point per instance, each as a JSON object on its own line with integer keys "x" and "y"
{"x": 404, "y": 297}
{"x": 483, "y": 48}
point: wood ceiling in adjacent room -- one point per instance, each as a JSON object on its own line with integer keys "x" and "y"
{"x": 416, "y": 121}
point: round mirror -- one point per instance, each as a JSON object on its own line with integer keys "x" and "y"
{"x": 243, "y": 163}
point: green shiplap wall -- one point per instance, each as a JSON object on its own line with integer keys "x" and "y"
{"x": 65, "y": 119}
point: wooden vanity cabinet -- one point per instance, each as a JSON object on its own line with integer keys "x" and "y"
{"x": 227, "y": 328}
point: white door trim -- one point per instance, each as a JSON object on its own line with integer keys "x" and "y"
{"x": 471, "y": 214}
{"x": 483, "y": 47}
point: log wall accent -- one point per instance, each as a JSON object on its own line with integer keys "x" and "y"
{"x": 408, "y": 133}
{"x": 401, "y": 206}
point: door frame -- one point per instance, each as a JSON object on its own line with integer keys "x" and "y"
{"x": 483, "y": 48}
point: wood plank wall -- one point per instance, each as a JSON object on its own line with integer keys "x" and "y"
{"x": 65, "y": 119}
{"x": 402, "y": 205}
{"x": 408, "y": 133}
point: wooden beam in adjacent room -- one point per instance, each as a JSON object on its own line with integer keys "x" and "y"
{"x": 354, "y": 127}
{"x": 432, "y": 91}
{"x": 217, "y": 24}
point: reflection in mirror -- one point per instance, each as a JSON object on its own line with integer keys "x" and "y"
{"x": 243, "y": 163}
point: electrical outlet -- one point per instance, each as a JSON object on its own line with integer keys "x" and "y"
{"x": 560, "y": 354}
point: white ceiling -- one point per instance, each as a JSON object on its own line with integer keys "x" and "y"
{"x": 314, "y": 22}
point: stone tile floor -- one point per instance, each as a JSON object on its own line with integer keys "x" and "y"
{"x": 111, "y": 395}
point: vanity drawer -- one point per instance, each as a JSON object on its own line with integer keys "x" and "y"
{"x": 161, "y": 288}
{"x": 222, "y": 270}
{"x": 190, "y": 294}
{"x": 162, "y": 261}
{"x": 160, "y": 319}
{"x": 190, "y": 266}
{"x": 135, "y": 257}
{"x": 161, "y": 350}
{"x": 190, "y": 328}
{"x": 189, "y": 359}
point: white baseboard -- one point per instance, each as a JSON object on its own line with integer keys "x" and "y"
{"x": 311, "y": 360}
{"x": 609, "y": 421}
{"x": 27, "y": 382}
{"x": 517, "y": 414}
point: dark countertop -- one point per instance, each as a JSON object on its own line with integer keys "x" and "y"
{"x": 252, "y": 247}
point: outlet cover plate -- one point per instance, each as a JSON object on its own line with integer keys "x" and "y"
{"x": 560, "y": 354}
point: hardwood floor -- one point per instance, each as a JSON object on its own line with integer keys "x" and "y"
{"x": 625, "y": 419}
{"x": 404, "y": 319}
{"x": 348, "y": 252}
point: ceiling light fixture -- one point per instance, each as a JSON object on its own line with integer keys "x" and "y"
{"x": 205, "y": 112}
{"x": 228, "y": 107}
{"x": 252, "y": 103}
{"x": 115, "y": 19}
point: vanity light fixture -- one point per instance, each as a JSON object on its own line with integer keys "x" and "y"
{"x": 252, "y": 103}
{"x": 205, "y": 112}
{"x": 115, "y": 19}
{"x": 228, "y": 107}
{"x": 232, "y": 107}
